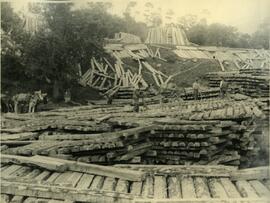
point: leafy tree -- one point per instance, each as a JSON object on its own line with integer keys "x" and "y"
{"x": 261, "y": 38}
{"x": 69, "y": 37}
{"x": 13, "y": 41}
{"x": 188, "y": 21}
{"x": 152, "y": 16}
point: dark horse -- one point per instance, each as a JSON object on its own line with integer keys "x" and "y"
{"x": 6, "y": 103}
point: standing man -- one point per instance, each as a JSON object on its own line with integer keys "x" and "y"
{"x": 161, "y": 97}
{"x": 136, "y": 97}
{"x": 67, "y": 96}
{"x": 143, "y": 94}
{"x": 223, "y": 87}
{"x": 196, "y": 88}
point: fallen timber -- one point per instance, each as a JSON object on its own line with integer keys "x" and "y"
{"x": 60, "y": 165}
{"x": 161, "y": 184}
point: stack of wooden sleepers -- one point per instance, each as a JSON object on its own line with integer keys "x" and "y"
{"x": 254, "y": 86}
{"x": 203, "y": 93}
{"x": 256, "y": 71}
{"x": 51, "y": 180}
{"x": 169, "y": 34}
{"x": 105, "y": 148}
{"x": 205, "y": 132}
{"x": 127, "y": 93}
{"x": 185, "y": 94}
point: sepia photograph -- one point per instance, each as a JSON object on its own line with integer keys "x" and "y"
{"x": 135, "y": 101}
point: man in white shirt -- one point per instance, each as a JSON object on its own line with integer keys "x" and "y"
{"x": 196, "y": 88}
{"x": 223, "y": 87}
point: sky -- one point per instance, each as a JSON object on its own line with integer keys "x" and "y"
{"x": 246, "y": 15}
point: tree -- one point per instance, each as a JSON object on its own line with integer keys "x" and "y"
{"x": 13, "y": 41}
{"x": 261, "y": 38}
{"x": 69, "y": 37}
{"x": 187, "y": 21}
{"x": 152, "y": 16}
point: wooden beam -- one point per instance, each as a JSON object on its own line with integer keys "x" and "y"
{"x": 221, "y": 65}
{"x": 257, "y": 173}
{"x": 52, "y": 164}
{"x": 63, "y": 165}
{"x": 100, "y": 68}
{"x": 193, "y": 170}
{"x": 64, "y": 193}
{"x": 203, "y": 200}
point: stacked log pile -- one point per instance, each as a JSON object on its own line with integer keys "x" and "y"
{"x": 123, "y": 37}
{"x": 255, "y": 71}
{"x": 170, "y": 34}
{"x": 254, "y": 86}
{"x": 203, "y": 94}
{"x": 226, "y": 135}
{"x": 105, "y": 148}
{"x": 217, "y": 131}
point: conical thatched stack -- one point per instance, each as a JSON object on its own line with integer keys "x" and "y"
{"x": 169, "y": 34}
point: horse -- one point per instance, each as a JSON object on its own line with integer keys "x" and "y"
{"x": 28, "y": 99}
{"x": 6, "y": 103}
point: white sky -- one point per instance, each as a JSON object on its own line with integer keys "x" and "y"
{"x": 246, "y": 15}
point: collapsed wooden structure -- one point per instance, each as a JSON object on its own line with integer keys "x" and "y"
{"x": 100, "y": 77}
{"x": 105, "y": 76}
{"x": 227, "y": 57}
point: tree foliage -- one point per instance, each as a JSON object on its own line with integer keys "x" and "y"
{"x": 215, "y": 34}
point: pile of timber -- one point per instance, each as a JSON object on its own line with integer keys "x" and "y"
{"x": 228, "y": 58}
{"x": 256, "y": 71}
{"x": 43, "y": 179}
{"x": 250, "y": 85}
{"x": 204, "y": 132}
{"x": 120, "y": 79}
{"x": 104, "y": 77}
{"x": 202, "y": 142}
{"x": 161, "y": 79}
{"x": 127, "y": 93}
{"x": 216, "y": 131}
{"x": 123, "y": 37}
{"x": 99, "y": 75}
{"x": 169, "y": 34}
{"x": 104, "y": 148}
{"x": 134, "y": 51}
{"x": 203, "y": 94}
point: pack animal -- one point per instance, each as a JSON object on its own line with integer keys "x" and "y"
{"x": 28, "y": 99}
{"x": 6, "y": 103}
